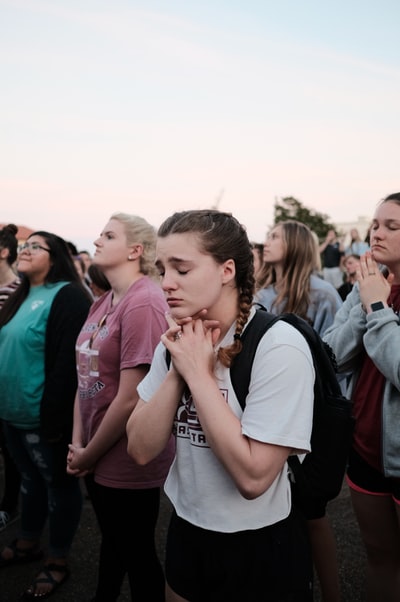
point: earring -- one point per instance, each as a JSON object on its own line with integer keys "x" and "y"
{"x": 130, "y": 257}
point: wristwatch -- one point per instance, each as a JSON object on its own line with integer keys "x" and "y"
{"x": 376, "y": 306}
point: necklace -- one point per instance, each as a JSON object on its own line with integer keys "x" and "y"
{"x": 100, "y": 325}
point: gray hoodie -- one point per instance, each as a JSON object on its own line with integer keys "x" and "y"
{"x": 379, "y": 334}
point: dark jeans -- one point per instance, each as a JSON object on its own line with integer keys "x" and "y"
{"x": 12, "y": 478}
{"x": 47, "y": 492}
{"x": 127, "y": 520}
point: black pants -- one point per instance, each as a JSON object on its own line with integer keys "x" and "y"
{"x": 127, "y": 519}
{"x": 12, "y": 478}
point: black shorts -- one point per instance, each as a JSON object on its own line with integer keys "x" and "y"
{"x": 272, "y": 563}
{"x": 366, "y": 479}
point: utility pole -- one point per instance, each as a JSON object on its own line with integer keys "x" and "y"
{"x": 218, "y": 199}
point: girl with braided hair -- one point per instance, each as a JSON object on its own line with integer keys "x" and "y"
{"x": 233, "y": 535}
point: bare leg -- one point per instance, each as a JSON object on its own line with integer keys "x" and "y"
{"x": 55, "y": 572}
{"x": 323, "y": 545}
{"x": 379, "y": 521}
{"x": 171, "y": 596}
{"x": 22, "y": 545}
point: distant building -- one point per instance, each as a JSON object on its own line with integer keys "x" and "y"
{"x": 362, "y": 224}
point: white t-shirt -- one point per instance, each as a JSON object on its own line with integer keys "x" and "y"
{"x": 278, "y": 410}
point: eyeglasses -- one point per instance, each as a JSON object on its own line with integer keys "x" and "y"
{"x": 32, "y": 247}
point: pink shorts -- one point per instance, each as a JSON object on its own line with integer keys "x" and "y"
{"x": 362, "y": 477}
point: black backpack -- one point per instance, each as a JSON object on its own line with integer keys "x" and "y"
{"x": 320, "y": 475}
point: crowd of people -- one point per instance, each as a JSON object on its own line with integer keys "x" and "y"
{"x": 116, "y": 383}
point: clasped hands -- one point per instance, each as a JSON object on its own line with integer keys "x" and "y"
{"x": 76, "y": 461}
{"x": 373, "y": 285}
{"x": 191, "y": 341}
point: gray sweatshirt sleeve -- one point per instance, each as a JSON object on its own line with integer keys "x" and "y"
{"x": 345, "y": 335}
{"x": 378, "y": 333}
{"x": 382, "y": 343}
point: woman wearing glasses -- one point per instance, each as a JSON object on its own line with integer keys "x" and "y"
{"x": 39, "y": 324}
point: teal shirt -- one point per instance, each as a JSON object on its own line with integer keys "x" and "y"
{"x": 22, "y": 353}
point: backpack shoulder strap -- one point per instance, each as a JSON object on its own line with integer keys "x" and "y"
{"x": 240, "y": 369}
{"x": 323, "y": 357}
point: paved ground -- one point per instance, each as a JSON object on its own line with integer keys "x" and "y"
{"x": 80, "y": 587}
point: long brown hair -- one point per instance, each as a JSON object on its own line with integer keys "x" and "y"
{"x": 394, "y": 198}
{"x": 298, "y": 265}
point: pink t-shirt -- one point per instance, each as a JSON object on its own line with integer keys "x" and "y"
{"x": 114, "y": 338}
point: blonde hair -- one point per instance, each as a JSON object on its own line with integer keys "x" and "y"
{"x": 138, "y": 230}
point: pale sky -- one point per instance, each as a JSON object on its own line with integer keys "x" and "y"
{"x": 151, "y": 107}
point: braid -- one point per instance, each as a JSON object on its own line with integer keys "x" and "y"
{"x": 222, "y": 237}
{"x": 228, "y": 353}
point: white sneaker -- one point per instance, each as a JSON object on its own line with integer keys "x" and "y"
{"x": 7, "y": 518}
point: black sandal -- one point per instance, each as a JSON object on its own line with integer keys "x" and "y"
{"x": 32, "y": 594}
{"x": 20, "y": 556}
